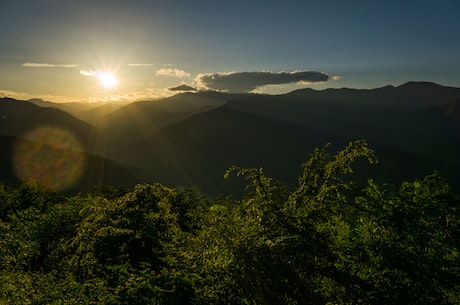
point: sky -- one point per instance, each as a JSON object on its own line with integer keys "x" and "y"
{"x": 63, "y": 50}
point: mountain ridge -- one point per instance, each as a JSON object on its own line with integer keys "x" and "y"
{"x": 95, "y": 170}
{"x": 190, "y": 138}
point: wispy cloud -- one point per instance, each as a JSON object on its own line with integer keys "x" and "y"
{"x": 13, "y": 94}
{"x": 173, "y": 72}
{"x": 145, "y": 94}
{"x": 51, "y": 98}
{"x": 336, "y": 77}
{"x": 48, "y": 65}
{"x": 251, "y": 81}
{"x": 140, "y": 65}
{"x": 88, "y": 72}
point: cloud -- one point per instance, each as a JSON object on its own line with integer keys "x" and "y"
{"x": 182, "y": 87}
{"x": 250, "y": 81}
{"x": 172, "y": 72}
{"x": 46, "y": 65}
{"x": 145, "y": 94}
{"x": 142, "y": 95}
{"x": 140, "y": 65}
{"x": 13, "y": 94}
{"x": 25, "y": 96}
{"x": 88, "y": 72}
{"x": 336, "y": 77}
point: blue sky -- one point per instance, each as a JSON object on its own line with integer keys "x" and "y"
{"x": 55, "y": 49}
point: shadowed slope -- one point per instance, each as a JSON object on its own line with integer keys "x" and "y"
{"x": 276, "y": 131}
{"x": 191, "y": 138}
{"x": 19, "y": 118}
{"x": 93, "y": 169}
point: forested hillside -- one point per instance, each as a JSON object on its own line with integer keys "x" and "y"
{"x": 322, "y": 240}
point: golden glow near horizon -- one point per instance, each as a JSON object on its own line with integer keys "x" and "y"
{"x": 46, "y": 43}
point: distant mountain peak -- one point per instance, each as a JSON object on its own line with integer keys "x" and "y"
{"x": 39, "y": 100}
{"x": 428, "y": 90}
{"x": 419, "y": 84}
{"x": 182, "y": 87}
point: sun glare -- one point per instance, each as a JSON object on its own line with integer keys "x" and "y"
{"x": 107, "y": 79}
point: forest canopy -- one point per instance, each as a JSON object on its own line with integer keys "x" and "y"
{"x": 323, "y": 240}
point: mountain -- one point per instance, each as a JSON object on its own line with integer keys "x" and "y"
{"x": 194, "y": 102}
{"x": 25, "y": 120}
{"x": 182, "y": 87}
{"x": 277, "y": 132}
{"x": 54, "y": 136}
{"x": 88, "y": 112}
{"x": 58, "y": 168}
{"x": 198, "y": 150}
{"x": 445, "y": 116}
{"x": 191, "y": 138}
{"x": 140, "y": 119}
{"x": 428, "y": 90}
{"x": 70, "y": 107}
{"x": 133, "y": 121}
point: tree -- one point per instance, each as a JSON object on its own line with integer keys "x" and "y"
{"x": 324, "y": 240}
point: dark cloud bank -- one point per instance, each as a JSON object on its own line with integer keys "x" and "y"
{"x": 249, "y": 81}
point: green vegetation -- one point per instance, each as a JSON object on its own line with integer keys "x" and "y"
{"x": 324, "y": 240}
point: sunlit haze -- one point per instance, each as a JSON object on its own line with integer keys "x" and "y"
{"x": 50, "y": 49}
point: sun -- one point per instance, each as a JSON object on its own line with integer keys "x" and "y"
{"x": 107, "y": 79}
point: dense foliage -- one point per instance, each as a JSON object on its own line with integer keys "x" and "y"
{"x": 325, "y": 240}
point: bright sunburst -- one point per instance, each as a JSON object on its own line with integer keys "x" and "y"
{"x": 107, "y": 79}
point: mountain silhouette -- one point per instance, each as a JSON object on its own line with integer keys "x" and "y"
{"x": 189, "y": 139}
{"x": 20, "y": 118}
{"x": 197, "y": 150}
{"x": 277, "y": 132}
{"x": 182, "y": 87}
{"x": 94, "y": 170}
{"x": 88, "y": 112}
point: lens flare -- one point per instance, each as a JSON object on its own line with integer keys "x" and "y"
{"x": 52, "y": 157}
